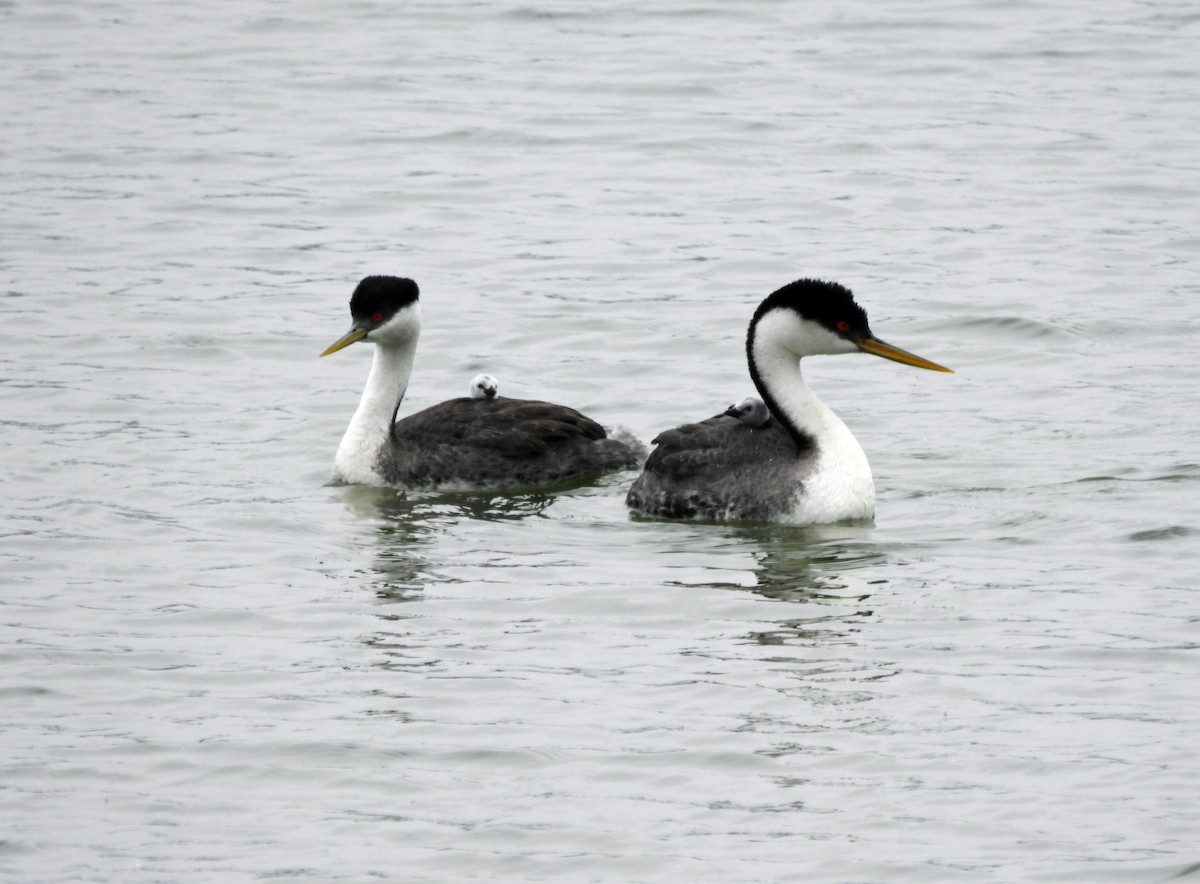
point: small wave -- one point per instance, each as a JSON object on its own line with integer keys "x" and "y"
{"x": 1169, "y": 533}
{"x": 1013, "y": 327}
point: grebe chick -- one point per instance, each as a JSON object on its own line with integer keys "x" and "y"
{"x": 483, "y": 386}
{"x": 750, "y": 411}
{"x": 804, "y": 467}
{"x": 460, "y": 444}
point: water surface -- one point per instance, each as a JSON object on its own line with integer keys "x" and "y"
{"x": 219, "y": 667}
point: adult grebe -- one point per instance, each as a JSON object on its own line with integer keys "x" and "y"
{"x": 483, "y": 386}
{"x": 751, "y": 411}
{"x": 804, "y": 467}
{"x": 462, "y": 443}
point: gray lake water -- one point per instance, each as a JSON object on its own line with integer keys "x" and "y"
{"x": 218, "y": 667}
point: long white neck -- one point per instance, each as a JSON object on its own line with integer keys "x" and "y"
{"x": 357, "y": 456}
{"x": 837, "y": 484}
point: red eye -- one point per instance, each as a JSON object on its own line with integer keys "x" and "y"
{"x": 378, "y": 317}
{"x": 843, "y": 326}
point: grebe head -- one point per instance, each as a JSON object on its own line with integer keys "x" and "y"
{"x": 483, "y": 386}
{"x": 384, "y": 311}
{"x": 811, "y": 317}
{"x": 751, "y": 411}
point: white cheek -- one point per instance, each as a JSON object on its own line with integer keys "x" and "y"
{"x": 818, "y": 339}
{"x": 402, "y": 328}
{"x": 801, "y": 337}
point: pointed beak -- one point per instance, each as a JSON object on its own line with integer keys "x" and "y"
{"x": 887, "y": 351}
{"x": 355, "y": 334}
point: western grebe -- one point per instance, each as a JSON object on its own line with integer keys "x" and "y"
{"x": 751, "y": 411}
{"x": 804, "y": 467}
{"x": 483, "y": 386}
{"x": 460, "y": 444}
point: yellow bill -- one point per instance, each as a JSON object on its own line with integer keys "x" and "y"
{"x": 887, "y": 351}
{"x": 355, "y": 334}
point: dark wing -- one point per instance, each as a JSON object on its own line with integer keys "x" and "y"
{"x": 719, "y": 468}
{"x": 499, "y": 444}
{"x": 716, "y": 448}
{"x": 512, "y": 427}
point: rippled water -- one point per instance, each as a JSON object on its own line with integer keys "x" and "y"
{"x": 218, "y": 667}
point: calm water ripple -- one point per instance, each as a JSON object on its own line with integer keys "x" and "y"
{"x": 217, "y": 667}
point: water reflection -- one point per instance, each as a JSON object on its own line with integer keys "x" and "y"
{"x": 405, "y": 524}
{"x": 803, "y": 588}
{"x": 813, "y": 564}
{"x": 817, "y": 564}
{"x": 404, "y": 511}
{"x": 825, "y": 575}
{"x": 830, "y": 570}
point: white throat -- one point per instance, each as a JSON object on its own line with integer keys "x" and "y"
{"x": 357, "y": 458}
{"x": 837, "y": 484}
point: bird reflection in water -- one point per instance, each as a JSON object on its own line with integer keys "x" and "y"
{"x": 404, "y": 523}
{"x": 826, "y": 577}
{"x": 828, "y": 571}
